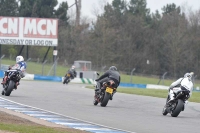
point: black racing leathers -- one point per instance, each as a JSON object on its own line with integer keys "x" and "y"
{"x": 110, "y": 74}
{"x": 72, "y": 73}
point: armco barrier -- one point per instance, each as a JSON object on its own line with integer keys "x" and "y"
{"x": 85, "y": 81}
{"x": 151, "y": 86}
{"x": 52, "y": 78}
{"x": 82, "y": 80}
{"x": 133, "y": 85}
{"x": 47, "y": 78}
{"x": 89, "y": 81}
{"x": 2, "y": 74}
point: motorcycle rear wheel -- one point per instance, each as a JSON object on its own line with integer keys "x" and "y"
{"x": 105, "y": 99}
{"x": 178, "y": 108}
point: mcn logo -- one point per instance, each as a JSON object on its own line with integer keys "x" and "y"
{"x": 9, "y": 27}
{"x": 28, "y": 27}
{"x": 40, "y": 28}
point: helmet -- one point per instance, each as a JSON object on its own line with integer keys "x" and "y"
{"x": 73, "y": 67}
{"x": 189, "y": 75}
{"x": 19, "y": 59}
{"x": 113, "y": 68}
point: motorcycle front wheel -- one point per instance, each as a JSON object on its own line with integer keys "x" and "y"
{"x": 10, "y": 88}
{"x": 66, "y": 80}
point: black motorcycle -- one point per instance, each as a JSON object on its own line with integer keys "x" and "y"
{"x": 67, "y": 78}
{"x": 105, "y": 93}
{"x": 13, "y": 78}
{"x": 177, "y": 105}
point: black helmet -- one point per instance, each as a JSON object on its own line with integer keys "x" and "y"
{"x": 113, "y": 68}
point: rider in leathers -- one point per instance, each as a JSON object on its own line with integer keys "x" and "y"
{"x": 111, "y": 74}
{"x": 72, "y": 72}
{"x": 20, "y": 66}
{"x": 185, "y": 82}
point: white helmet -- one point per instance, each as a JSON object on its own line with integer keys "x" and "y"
{"x": 73, "y": 67}
{"x": 189, "y": 75}
{"x": 19, "y": 59}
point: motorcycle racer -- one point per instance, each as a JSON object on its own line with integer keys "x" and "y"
{"x": 185, "y": 82}
{"x": 112, "y": 74}
{"x": 20, "y": 66}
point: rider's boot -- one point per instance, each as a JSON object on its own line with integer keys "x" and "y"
{"x": 171, "y": 96}
{"x": 97, "y": 89}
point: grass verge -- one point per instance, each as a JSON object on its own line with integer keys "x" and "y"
{"x": 29, "y": 129}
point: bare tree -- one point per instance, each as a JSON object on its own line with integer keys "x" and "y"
{"x": 78, "y": 11}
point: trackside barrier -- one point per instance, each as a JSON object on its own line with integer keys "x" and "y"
{"x": 133, "y": 85}
{"x": 85, "y": 81}
{"x": 57, "y": 79}
{"x": 82, "y": 80}
{"x": 90, "y": 81}
{"x": 151, "y": 86}
{"x": 144, "y": 86}
{"x": 29, "y": 77}
{"x": 47, "y": 78}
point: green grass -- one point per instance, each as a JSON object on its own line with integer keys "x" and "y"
{"x": 36, "y": 68}
{"x": 28, "y": 129}
{"x": 153, "y": 92}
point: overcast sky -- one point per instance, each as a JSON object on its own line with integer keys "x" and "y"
{"x": 89, "y": 6}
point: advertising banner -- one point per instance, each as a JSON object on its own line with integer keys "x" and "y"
{"x": 28, "y": 31}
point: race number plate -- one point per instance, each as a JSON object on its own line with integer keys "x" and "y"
{"x": 109, "y": 90}
{"x": 68, "y": 75}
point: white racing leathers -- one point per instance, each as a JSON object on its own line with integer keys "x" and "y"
{"x": 184, "y": 82}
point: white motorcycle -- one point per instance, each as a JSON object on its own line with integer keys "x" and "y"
{"x": 177, "y": 105}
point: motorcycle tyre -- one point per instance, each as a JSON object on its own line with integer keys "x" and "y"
{"x": 66, "y": 80}
{"x": 178, "y": 108}
{"x": 10, "y": 88}
{"x": 105, "y": 99}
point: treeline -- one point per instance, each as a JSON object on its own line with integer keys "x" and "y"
{"x": 126, "y": 35}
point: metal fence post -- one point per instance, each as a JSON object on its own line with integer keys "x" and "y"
{"x": 43, "y": 67}
{"x": 132, "y": 74}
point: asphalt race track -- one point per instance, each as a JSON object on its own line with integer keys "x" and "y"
{"x": 140, "y": 114}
